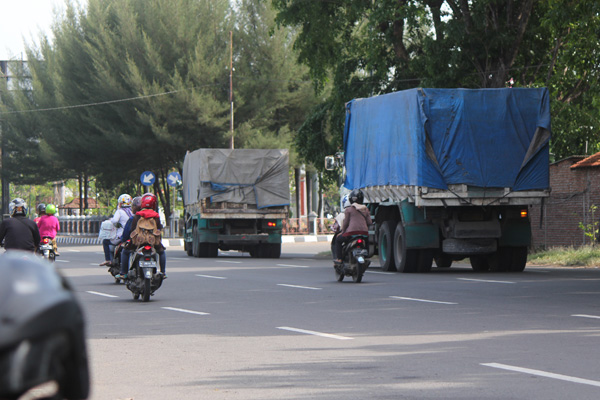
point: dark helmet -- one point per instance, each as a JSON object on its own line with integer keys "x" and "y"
{"x": 41, "y": 208}
{"x": 41, "y": 330}
{"x": 17, "y": 207}
{"x": 137, "y": 202}
{"x": 356, "y": 196}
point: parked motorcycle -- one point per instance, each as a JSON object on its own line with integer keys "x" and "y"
{"x": 143, "y": 278}
{"x": 354, "y": 259}
{"x": 46, "y": 249}
{"x": 115, "y": 267}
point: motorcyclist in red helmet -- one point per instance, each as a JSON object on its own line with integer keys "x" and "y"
{"x": 149, "y": 209}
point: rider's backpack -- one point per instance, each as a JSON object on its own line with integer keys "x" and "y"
{"x": 146, "y": 232}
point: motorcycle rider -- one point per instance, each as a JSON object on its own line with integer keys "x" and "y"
{"x": 135, "y": 207}
{"x": 149, "y": 206}
{"x": 357, "y": 220}
{"x": 337, "y": 225}
{"x": 119, "y": 220}
{"x": 19, "y": 232}
{"x": 48, "y": 225}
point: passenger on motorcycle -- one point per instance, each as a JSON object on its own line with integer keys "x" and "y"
{"x": 19, "y": 232}
{"x": 149, "y": 207}
{"x": 135, "y": 207}
{"x": 119, "y": 220}
{"x": 357, "y": 220}
{"x": 339, "y": 221}
{"x": 49, "y": 226}
{"x": 41, "y": 210}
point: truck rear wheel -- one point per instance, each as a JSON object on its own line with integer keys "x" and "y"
{"x": 386, "y": 246}
{"x": 275, "y": 250}
{"x": 425, "y": 261}
{"x": 519, "y": 259}
{"x": 443, "y": 260}
{"x": 406, "y": 260}
{"x": 479, "y": 263}
{"x": 195, "y": 242}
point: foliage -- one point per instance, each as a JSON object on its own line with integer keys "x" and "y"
{"x": 567, "y": 256}
{"x": 131, "y": 85}
{"x": 591, "y": 229}
{"x": 364, "y": 48}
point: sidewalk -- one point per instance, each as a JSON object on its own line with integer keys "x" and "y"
{"x": 171, "y": 242}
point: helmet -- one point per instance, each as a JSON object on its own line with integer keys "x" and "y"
{"x": 149, "y": 201}
{"x": 356, "y": 196}
{"x": 41, "y": 330}
{"x": 51, "y": 209}
{"x": 41, "y": 208}
{"x": 345, "y": 202}
{"x": 124, "y": 200}
{"x": 17, "y": 207}
{"x": 137, "y": 202}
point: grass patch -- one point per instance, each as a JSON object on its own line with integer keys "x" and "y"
{"x": 585, "y": 256}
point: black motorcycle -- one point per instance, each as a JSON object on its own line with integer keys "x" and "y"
{"x": 115, "y": 267}
{"x": 143, "y": 278}
{"x": 354, "y": 259}
{"x": 46, "y": 249}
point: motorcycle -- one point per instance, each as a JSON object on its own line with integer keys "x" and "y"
{"x": 46, "y": 249}
{"x": 143, "y": 279}
{"x": 354, "y": 259}
{"x": 115, "y": 267}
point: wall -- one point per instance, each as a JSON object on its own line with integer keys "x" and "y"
{"x": 574, "y": 191}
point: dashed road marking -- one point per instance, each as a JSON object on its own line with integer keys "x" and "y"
{"x": 483, "y": 280}
{"x": 212, "y": 277}
{"x": 543, "y": 374}
{"x": 586, "y": 316}
{"x": 299, "y": 287}
{"x": 230, "y": 262}
{"x": 183, "y": 310}
{"x": 421, "y": 300}
{"x": 100, "y": 294}
{"x": 327, "y": 335}
{"x": 381, "y": 272}
{"x": 65, "y": 261}
{"x": 292, "y": 265}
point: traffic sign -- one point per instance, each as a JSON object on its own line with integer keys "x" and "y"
{"x": 147, "y": 178}
{"x": 173, "y": 178}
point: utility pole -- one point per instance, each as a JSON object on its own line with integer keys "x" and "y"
{"x": 231, "y": 146}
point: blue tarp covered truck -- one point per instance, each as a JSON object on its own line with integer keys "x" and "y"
{"x": 450, "y": 173}
{"x": 235, "y": 200}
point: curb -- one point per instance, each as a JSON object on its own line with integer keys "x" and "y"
{"x": 179, "y": 242}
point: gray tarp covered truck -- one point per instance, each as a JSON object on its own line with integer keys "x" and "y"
{"x": 235, "y": 200}
{"x": 450, "y": 173}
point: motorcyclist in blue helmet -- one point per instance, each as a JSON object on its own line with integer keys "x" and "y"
{"x": 41, "y": 330}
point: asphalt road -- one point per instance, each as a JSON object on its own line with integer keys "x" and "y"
{"x": 236, "y": 327}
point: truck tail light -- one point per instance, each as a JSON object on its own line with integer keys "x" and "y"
{"x": 272, "y": 224}
{"x": 524, "y": 213}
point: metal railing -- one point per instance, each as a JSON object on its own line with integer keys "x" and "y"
{"x": 71, "y": 225}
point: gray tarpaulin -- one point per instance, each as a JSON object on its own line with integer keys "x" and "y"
{"x": 247, "y": 176}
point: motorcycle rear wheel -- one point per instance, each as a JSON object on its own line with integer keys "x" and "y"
{"x": 146, "y": 294}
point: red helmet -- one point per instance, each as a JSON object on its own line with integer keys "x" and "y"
{"x": 149, "y": 201}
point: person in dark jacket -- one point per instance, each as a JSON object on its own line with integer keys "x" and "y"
{"x": 19, "y": 232}
{"x": 135, "y": 207}
{"x": 356, "y": 222}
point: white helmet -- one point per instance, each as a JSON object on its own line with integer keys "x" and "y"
{"x": 345, "y": 202}
{"x": 124, "y": 200}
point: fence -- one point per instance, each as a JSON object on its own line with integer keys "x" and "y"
{"x": 72, "y": 225}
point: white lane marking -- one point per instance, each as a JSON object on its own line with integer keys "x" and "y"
{"x": 179, "y": 258}
{"x": 210, "y": 276}
{"x": 97, "y": 265}
{"x": 483, "y": 280}
{"x": 74, "y": 251}
{"x": 543, "y": 373}
{"x": 422, "y": 300}
{"x": 183, "y": 310}
{"x": 380, "y": 272}
{"x": 299, "y": 287}
{"x": 586, "y": 316}
{"x": 100, "y": 294}
{"x": 327, "y": 335}
{"x": 230, "y": 262}
{"x": 62, "y": 261}
{"x": 292, "y": 265}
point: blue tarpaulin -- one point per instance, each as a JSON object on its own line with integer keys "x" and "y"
{"x": 489, "y": 138}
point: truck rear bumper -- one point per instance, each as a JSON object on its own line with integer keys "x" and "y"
{"x": 469, "y": 246}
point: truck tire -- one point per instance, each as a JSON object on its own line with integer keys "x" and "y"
{"x": 443, "y": 260}
{"x": 195, "y": 242}
{"x": 406, "y": 260}
{"x": 519, "y": 259}
{"x": 425, "y": 261}
{"x": 187, "y": 246}
{"x": 501, "y": 260}
{"x": 385, "y": 244}
{"x": 208, "y": 250}
{"x": 275, "y": 250}
{"x": 479, "y": 263}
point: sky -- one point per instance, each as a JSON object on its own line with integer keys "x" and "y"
{"x": 24, "y": 19}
